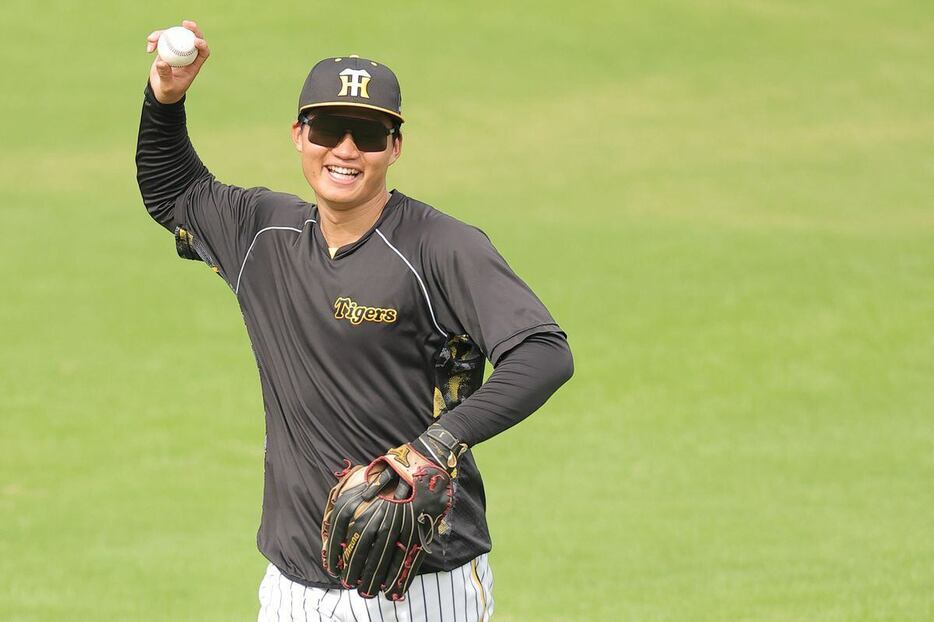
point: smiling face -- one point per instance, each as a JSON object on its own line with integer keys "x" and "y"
{"x": 343, "y": 176}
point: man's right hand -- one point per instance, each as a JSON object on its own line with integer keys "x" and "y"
{"x": 169, "y": 83}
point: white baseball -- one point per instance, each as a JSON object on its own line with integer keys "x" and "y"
{"x": 177, "y": 46}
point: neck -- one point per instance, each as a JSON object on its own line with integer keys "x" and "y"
{"x": 342, "y": 225}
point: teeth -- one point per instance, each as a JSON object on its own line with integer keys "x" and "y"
{"x": 342, "y": 170}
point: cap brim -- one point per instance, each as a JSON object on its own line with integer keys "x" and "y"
{"x": 391, "y": 113}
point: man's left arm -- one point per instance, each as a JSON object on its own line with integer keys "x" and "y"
{"x": 523, "y": 379}
{"x": 479, "y": 295}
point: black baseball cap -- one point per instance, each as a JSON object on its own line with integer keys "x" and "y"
{"x": 354, "y": 82}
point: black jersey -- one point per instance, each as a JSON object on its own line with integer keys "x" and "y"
{"x": 357, "y": 353}
{"x": 360, "y": 352}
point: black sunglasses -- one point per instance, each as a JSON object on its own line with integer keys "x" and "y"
{"x": 329, "y": 130}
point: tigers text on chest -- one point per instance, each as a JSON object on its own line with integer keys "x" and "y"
{"x": 347, "y": 309}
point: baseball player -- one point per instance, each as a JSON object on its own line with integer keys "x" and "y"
{"x": 371, "y": 316}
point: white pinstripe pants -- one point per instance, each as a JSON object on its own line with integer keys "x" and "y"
{"x": 463, "y": 595}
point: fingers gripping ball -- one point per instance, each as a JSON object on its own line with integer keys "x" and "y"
{"x": 177, "y": 46}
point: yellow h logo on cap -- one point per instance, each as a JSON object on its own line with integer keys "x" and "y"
{"x": 354, "y": 81}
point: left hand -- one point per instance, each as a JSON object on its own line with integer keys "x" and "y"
{"x": 380, "y": 519}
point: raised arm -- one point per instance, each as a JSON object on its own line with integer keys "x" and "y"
{"x": 166, "y": 162}
{"x": 212, "y": 221}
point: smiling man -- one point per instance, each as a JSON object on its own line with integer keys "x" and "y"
{"x": 371, "y": 316}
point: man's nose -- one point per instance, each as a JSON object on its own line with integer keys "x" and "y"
{"x": 346, "y": 148}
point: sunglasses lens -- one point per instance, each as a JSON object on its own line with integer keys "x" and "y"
{"x": 330, "y": 131}
{"x": 325, "y": 131}
{"x": 370, "y": 141}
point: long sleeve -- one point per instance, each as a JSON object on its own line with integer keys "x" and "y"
{"x": 524, "y": 378}
{"x": 166, "y": 162}
{"x": 212, "y": 221}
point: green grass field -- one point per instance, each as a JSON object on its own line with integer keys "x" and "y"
{"x": 727, "y": 205}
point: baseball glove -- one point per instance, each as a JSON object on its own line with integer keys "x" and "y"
{"x": 380, "y": 519}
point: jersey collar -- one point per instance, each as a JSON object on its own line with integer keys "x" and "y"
{"x": 395, "y": 198}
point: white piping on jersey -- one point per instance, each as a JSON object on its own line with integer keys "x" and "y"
{"x": 424, "y": 290}
{"x": 243, "y": 265}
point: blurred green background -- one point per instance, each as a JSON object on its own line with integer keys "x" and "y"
{"x": 727, "y": 205}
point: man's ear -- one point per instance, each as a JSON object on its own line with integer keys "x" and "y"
{"x": 298, "y": 138}
{"x": 396, "y": 148}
